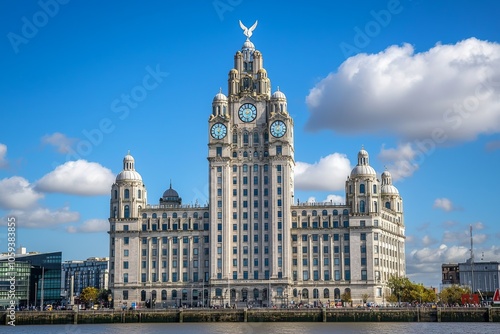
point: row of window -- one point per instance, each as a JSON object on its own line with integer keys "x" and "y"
{"x": 314, "y": 213}
{"x": 176, "y": 215}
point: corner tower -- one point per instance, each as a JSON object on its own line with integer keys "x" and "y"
{"x": 251, "y": 163}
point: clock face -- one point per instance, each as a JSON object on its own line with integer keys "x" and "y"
{"x": 218, "y": 131}
{"x": 247, "y": 112}
{"x": 278, "y": 129}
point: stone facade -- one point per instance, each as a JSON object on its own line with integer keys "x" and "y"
{"x": 253, "y": 244}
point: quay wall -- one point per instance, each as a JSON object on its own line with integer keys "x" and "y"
{"x": 255, "y": 315}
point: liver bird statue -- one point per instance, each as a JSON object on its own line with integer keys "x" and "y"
{"x": 248, "y": 31}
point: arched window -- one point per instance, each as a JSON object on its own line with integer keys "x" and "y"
{"x": 245, "y": 138}
{"x": 174, "y": 215}
{"x": 163, "y": 294}
{"x": 184, "y": 215}
{"x": 305, "y": 293}
{"x": 255, "y": 138}
{"x": 255, "y": 154}
{"x": 127, "y": 212}
{"x": 245, "y": 168}
{"x": 335, "y": 212}
{"x": 345, "y": 212}
{"x": 362, "y": 188}
{"x": 362, "y": 206}
{"x": 255, "y": 167}
{"x": 144, "y": 215}
{"x": 127, "y": 193}
{"x": 116, "y": 194}
{"x": 174, "y": 294}
{"x": 255, "y": 294}
{"x": 295, "y": 293}
{"x": 164, "y": 215}
{"x": 279, "y": 292}
{"x": 235, "y": 155}
{"x": 154, "y": 215}
{"x": 326, "y": 293}
{"x": 387, "y": 205}
{"x": 336, "y": 294}
{"x": 375, "y": 206}
{"x": 143, "y": 295}
{"x": 324, "y": 213}
{"x": 205, "y": 215}
{"x": 195, "y": 215}
{"x": 244, "y": 295}
{"x": 153, "y": 295}
{"x": 314, "y": 213}
{"x": 294, "y": 213}
{"x": 374, "y": 188}
{"x": 315, "y": 293}
{"x": 304, "y": 213}
{"x": 184, "y": 294}
{"x": 139, "y": 193}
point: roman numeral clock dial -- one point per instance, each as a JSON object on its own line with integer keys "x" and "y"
{"x": 247, "y": 112}
{"x": 278, "y": 129}
{"x": 218, "y": 131}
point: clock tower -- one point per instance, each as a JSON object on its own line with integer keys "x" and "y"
{"x": 251, "y": 163}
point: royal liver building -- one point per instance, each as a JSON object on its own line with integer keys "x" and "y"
{"x": 253, "y": 245}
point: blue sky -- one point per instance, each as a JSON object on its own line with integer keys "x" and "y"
{"x": 416, "y": 83}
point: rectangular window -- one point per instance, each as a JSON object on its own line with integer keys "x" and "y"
{"x": 337, "y": 275}
{"x": 219, "y": 151}
{"x": 336, "y": 261}
{"x": 362, "y": 236}
{"x": 305, "y": 275}
{"x": 125, "y": 264}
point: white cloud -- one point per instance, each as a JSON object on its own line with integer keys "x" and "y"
{"x": 3, "y": 154}
{"x": 60, "y": 141}
{"x": 78, "y": 178}
{"x": 444, "y": 204}
{"x": 329, "y": 173}
{"x": 399, "y": 161}
{"x": 44, "y": 217}
{"x": 90, "y": 226}
{"x": 428, "y": 240}
{"x": 17, "y": 193}
{"x": 448, "y": 93}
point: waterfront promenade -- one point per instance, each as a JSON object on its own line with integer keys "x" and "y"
{"x": 480, "y": 314}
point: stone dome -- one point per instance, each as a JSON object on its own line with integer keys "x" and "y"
{"x": 363, "y": 167}
{"x": 128, "y": 172}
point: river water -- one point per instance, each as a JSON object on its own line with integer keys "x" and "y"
{"x": 262, "y": 327}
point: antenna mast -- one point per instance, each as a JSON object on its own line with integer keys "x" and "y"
{"x": 471, "y": 260}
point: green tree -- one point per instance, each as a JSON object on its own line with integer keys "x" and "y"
{"x": 346, "y": 297}
{"x": 89, "y": 295}
{"x": 453, "y": 294}
{"x": 365, "y": 297}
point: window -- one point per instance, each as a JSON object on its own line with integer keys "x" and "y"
{"x": 362, "y": 236}
{"x": 125, "y": 264}
{"x": 125, "y": 278}
{"x": 125, "y": 240}
{"x": 127, "y": 193}
{"x": 362, "y": 206}
{"x": 218, "y": 151}
{"x": 305, "y": 275}
{"x": 127, "y": 211}
{"x": 362, "y": 188}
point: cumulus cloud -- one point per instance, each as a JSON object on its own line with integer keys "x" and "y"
{"x": 428, "y": 240}
{"x": 329, "y": 173}
{"x": 43, "y": 217}
{"x": 60, "y": 141}
{"x": 444, "y": 204}
{"x": 446, "y": 94}
{"x": 3, "y": 154}
{"x": 17, "y": 193}
{"x": 90, "y": 226}
{"x": 77, "y": 178}
{"x": 400, "y": 161}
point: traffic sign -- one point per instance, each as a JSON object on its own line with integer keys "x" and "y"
{"x": 496, "y": 297}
